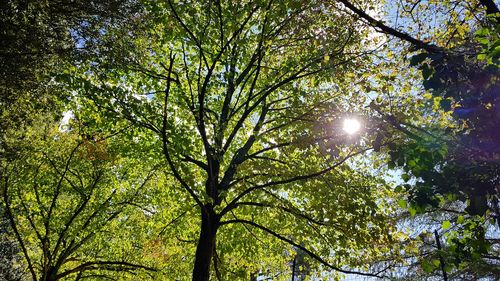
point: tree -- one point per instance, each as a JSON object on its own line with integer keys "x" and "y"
{"x": 242, "y": 100}
{"x": 38, "y": 39}
{"x": 66, "y": 198}
{"x": 455, "y": 170}
{"x": 36, "y": 33}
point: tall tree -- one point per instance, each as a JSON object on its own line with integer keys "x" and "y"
{"x": 244, "y": 100}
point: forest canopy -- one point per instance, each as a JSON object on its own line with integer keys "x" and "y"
{"x": 249, "y": 140}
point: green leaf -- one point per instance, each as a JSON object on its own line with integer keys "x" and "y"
{"x": 405, "y": 177}
{"x": 427, "y": 266}
{"x": 412, "y": 211}
{"x": 446, "y": 225}
{"x": 483, "y": 32}
{"x": 483, "y": 41}
{"x": 402, "y": 203}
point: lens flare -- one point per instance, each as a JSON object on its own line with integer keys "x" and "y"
{"x": 351, "y": 126}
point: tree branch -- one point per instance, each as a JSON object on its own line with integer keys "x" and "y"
{"x": 491, "y": 8}
{"x": 13, "y": 224}
{"x": 104, "y": 265}
{"x": 289, "y": 241}
{"x": 290, "y": 180}
{"x": 431, "y": 48}
{"x": 165, "y": 140}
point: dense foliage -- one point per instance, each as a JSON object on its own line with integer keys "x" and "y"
{"x": 203, "y": 140}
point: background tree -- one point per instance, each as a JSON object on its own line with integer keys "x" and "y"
{"x": 38, "y": 37}
{"x": 454, "y": 163}
{"x": 67, "y": 200}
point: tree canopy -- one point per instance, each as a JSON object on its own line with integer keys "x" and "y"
{"x": 207, "y": 140}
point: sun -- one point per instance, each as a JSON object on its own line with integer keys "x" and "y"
{"x": 351, "y": 126}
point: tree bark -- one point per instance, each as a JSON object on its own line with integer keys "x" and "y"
{"x": 50, "y": 274}
{"x": 206, "y": 244}
{"x": 441, "y": 259}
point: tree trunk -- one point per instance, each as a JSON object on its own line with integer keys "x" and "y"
{"x": 50, "y": 274}
{"x": 205, "y": 249}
